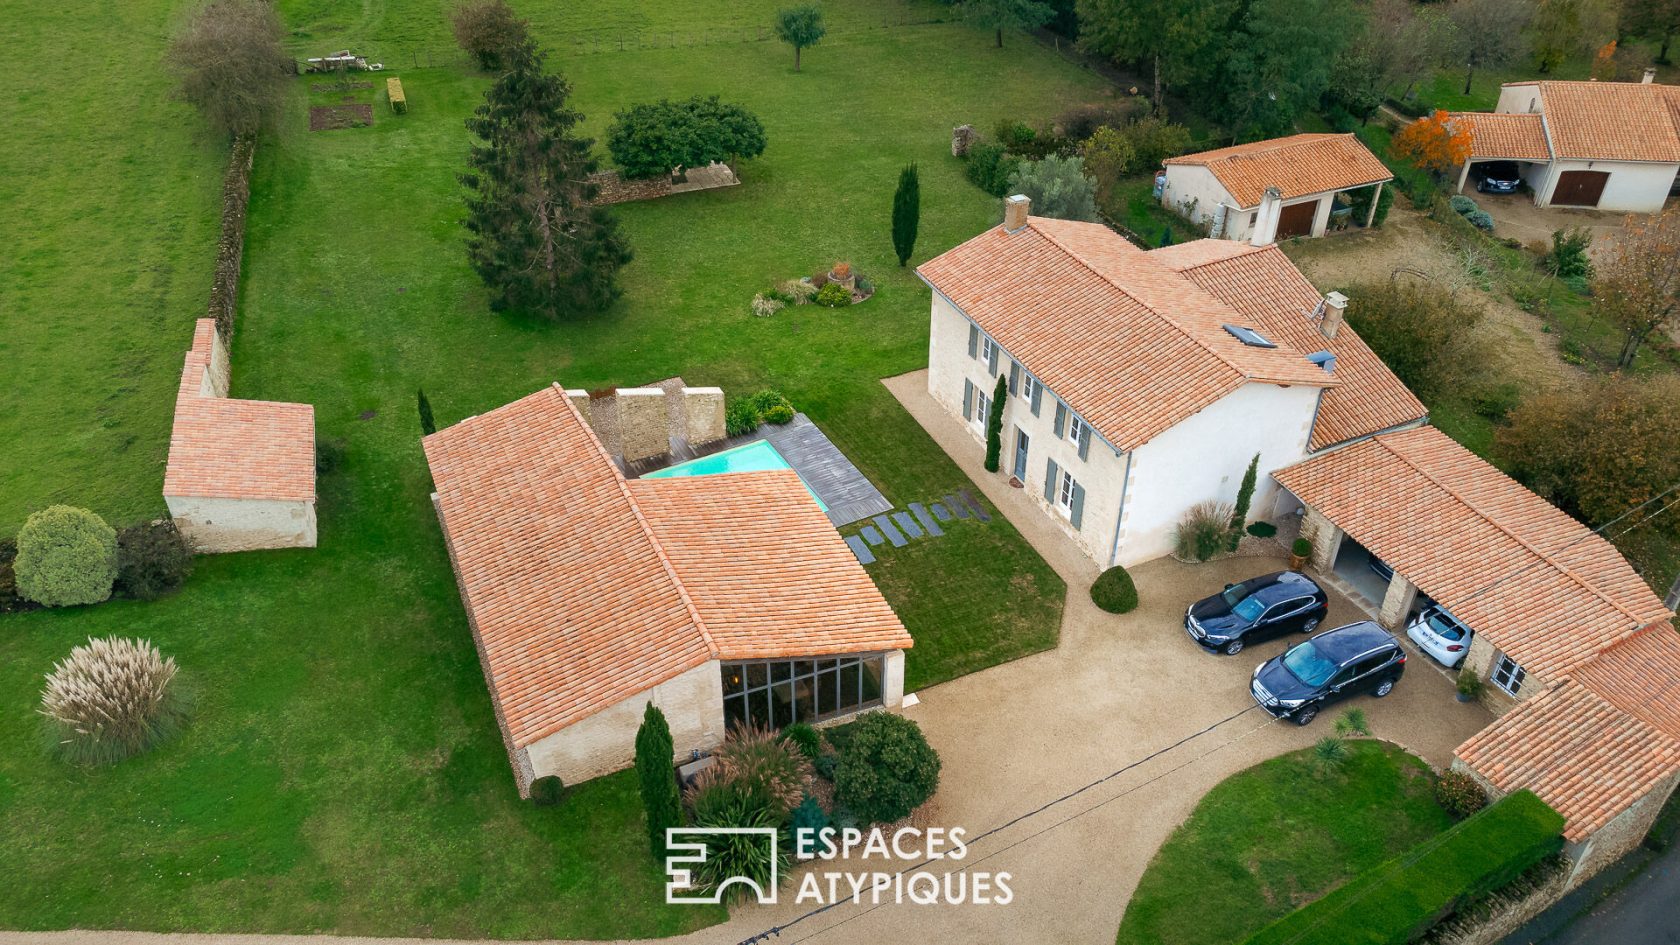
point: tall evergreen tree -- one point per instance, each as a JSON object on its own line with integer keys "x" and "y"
{"x": 536, "y": 240}
{"x": 428, "y": 426}
{"x": 906, "y": 213}
{"x": 660, "y": 797}
{"x": 994, "y": 423}
{"x": 1245, "y": 495}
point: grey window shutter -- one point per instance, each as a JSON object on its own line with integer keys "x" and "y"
{"x": 1076, "y": 508}
{"x": 1014, "y": 378}
{"x": 973, "y": 340}
{"x": 1037, "y": 397}
{"x": 1084, "y": 440}
{"x": 1050, "y": 472}
{"x": 991, "y": 364}
{"x": 968, "y": 398}
{"x": 1061, "y": 418}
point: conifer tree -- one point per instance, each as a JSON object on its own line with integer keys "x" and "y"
{"x": 661, "y": 799}
{"x": 906, "y": 213}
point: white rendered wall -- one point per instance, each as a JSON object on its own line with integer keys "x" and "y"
{"x": 1633, "y": 187}
{"x": 1518, "y": 99}
{"x": 1192, "y": 191}
{"x": 222, "y": 525}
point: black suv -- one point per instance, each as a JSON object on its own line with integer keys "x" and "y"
{"x": 1255, "y": 610}
{"x": 1346, "y": 661}
{"x": 1499, "y": 177}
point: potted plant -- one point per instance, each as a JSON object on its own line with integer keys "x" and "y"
{"x": 1469, "y": 685}
{"x": 843, "y": 274}
{"x": 1299, "y": 553}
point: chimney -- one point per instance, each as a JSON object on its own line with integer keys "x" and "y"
{"x": 1015, "y": 211}
{"x": 1650, "y": 75}
{"x": 1266, "y": 218}
{"x": 1335, "y": 306}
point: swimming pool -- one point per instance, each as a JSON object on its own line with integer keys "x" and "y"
{"x": 754, "y": 457}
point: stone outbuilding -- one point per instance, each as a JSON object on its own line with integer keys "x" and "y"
{"x": 241, "y": 473}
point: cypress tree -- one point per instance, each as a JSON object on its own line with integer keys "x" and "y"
{"x": 535, "y": 238}
{"x": 906, "y": 213}
{"x": 660, "y": 797}
{"x": 428, "y": 426}
{"x": 1245, "y": 495}
{"x": 994, "y": 424}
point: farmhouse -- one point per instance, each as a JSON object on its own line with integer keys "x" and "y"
{"x": 241, "y": 473}
{"x": 723, "y": 599}
{"x": 1609, "y": 145}
{"x": 1141, "y": 383}
{"x": 1271, "y": 190}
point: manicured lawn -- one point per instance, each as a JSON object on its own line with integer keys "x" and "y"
{"x": 1272, "y": 838}
{"x": 344, "y": 772}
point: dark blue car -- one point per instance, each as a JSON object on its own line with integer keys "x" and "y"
{"x": 1499, "y": 177}
{"x": 1257, "y": 609}
{"x": 1347, "y": 661}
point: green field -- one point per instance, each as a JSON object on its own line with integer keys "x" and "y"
{"x": 1277, "y": 836}
{"x": 344, "y": 771}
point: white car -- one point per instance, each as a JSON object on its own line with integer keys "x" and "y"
{"x": 1439, "y": 634}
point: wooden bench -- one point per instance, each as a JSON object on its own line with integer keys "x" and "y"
{"x": 393, "y": 90}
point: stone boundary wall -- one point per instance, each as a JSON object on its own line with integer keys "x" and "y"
{"x": 613, "y": 188}
{"x": 230, "y": 248}
{"x": 1505, "y": 911}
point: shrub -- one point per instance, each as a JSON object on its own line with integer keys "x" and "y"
{"x": 653, "y": 138}
{"x": 825, "y": 766}
{"x": 489, "y": 31}
{"x": 1329, "y": 754}
{"x": 1114, "y": 591}
{"x": 1361, "y": 200}
{"x": 765, "y": 306}
{"x": 833, "y": 295}
{"x": 1402, "y": 898}
{"x": 657, "y": 778}
{"x": 546, "y": 790}
{"x": 1301, "y": 548}
{"x": 112, "y": 699}
{"x": 1352, "y": 722}
{"x": 152, "y": 560}
{"x": 10, "y": 600}
{"x": 818, "y": 280}
{"x": 1057, "y": 187}
{"x": 741, "y": 418}
{"x": 1567, "y": 256}
{"x": 779, "y": 415}
{"x": 1495, "y": 401}
{"x": 886, "y": 769}
{"x": 1262, "y": 529}
{"x": 232, "y": 65}
{"x": 807, "y": 739}
{"x": 1017, "y": 136}
{"x": 1424, "y": 333}
{"x": 798, "y": 291}
{"x": 1080, "y": 122}
{"x": 808, "y": 818}
{"x": 763, "y": 767}
{"x": 1459, "y": 794}
{"x": 1204, "y": 531}
{"x": 767, "y": 400}
{"x": 1245, "y": 496}
{"x": 1469, "y": 684}
{"x": 994, "y": 423}
{"x": 864, "y": 286}
{"x": 66, "y": 556}
{"x": 1462, "y": 205}
{"x": 1155, "y": 139}
{"x": 989, "y": 167}
{"x": 1481, "y": 220}
{"x": 733, "y": 855}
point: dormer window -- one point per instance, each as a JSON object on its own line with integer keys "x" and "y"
{"x": 1249, "y": 336}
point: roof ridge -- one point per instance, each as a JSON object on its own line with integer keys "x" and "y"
{"x": 642, "y": 522}
{"x": 1532, "y": 549}
{"x": 1246, "y": 250}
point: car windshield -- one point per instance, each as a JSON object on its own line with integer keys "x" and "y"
{"x": 1308, "y": 665}
{"x": 1234, "y": 594}
{"x": 1445, "y": 627}
{"x": 1250, "y": 609}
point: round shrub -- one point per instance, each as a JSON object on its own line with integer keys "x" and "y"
{"x": 886, "y": 770}
{"x": 805, "y": 738}
{"x": 152, "y": 560}
{"x": 1301, "y": 548}
{"x": 1462, "y": 205}
{"x": 808, "y": 818}
{"x": 764, "y": 400}
{"x": 66, "y": 556}
{"x": 111, "y": 699}
{"x": 1481, "y": 220}
{"x": 1459, "y": 794}
{"x": 779, "y": 415}
{"x": 741, "y": 418}
{"x": 1262, "y": 529}
{"x": 546, "y": 790}
{"x": 833, "y": 295}
{"x": 1114, "y": 591}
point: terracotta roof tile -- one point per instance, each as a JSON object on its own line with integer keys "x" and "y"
{"x": 585, "y": 589}
{"x": 1516, "y": 137}
{"x": 236, "y": 449}
{"x": 1612, "y": 121}
{"x": 768, "y": 572}
{"x": 1262, "y": 284}
{"x": 1452, "y": 524}
{"x": 1640, "y": 676}
{"x": 1297, "y": 166}
{"x": 1580, "y": 753}
{"x": 1132, "y": 346}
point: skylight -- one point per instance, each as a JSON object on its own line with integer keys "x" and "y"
{"x": 1249, "y": 336}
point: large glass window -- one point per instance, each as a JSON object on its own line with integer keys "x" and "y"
{"x": 780, "y": 693}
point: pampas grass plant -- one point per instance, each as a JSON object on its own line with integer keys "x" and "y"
{"x": 111, "y": 699}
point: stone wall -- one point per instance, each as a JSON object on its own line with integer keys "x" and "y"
{"x": 215, "y": 526}
{"x": 1397, "y": 603}
{"x": 1326, "y": 539}
{"x": 613, "y": 188}
{"x": 230, "y": 247}
{"x": 1505, "y": 910}
{"x": 644, "y": 425}
{"x": 1620, "y": 836}
{"x": 703, "y": 414}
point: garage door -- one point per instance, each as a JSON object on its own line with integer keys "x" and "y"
{"x": 1297, "y": 220}
{"x": 1580, "y": 188}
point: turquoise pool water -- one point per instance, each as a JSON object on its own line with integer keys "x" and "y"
{"x": 754, "y": 457}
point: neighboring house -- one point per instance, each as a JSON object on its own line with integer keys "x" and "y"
{"x": 1609, "y": 145}
{"x": 1140, "y": 384}
{"x": 241, "y": 473}
{"x": 1271, "y": 190}
{"x": 1125, "y": 383}
{"x": 723, "y": 599}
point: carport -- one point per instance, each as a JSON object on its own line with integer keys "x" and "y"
{"x": 1506, "y": 137}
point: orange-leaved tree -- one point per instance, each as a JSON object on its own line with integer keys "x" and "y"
{"x": 1604, "y": 62}
{"x": 1435, "y": 143}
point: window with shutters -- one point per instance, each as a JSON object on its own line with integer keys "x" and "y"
{"x": 1028, "y": 385}
{"x": 988, "y": 350}
{"x": 1064, "y": 495}
{"x": 1077, "y": 430}
{"x": 982, "y": 408}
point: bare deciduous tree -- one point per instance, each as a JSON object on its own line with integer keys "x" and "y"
{"x": 490, "y": 32}
{"x": 1491, "y": 33}
{"x": 231, "y": 64}
{"x": 1638, "y": 284}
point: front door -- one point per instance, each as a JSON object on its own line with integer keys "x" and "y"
{"x": 1297, "y": 220}
{"x": 1020, "y": 454}
{"x": 1580, "y": 188}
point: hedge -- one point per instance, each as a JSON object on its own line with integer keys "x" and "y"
{"x": 1404, "y": 897}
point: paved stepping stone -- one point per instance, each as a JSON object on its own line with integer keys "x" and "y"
{"x": 941, "y": 512}
{"x": 973, "y": 503}
{"x": 864, "y": 555}
{"x": 888, "y": 530}
{"x": 927, "y": 520}
{"x": 957, "y": 506}
{"x": 907, "y": 524}
{"x": 872, "y": 535}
